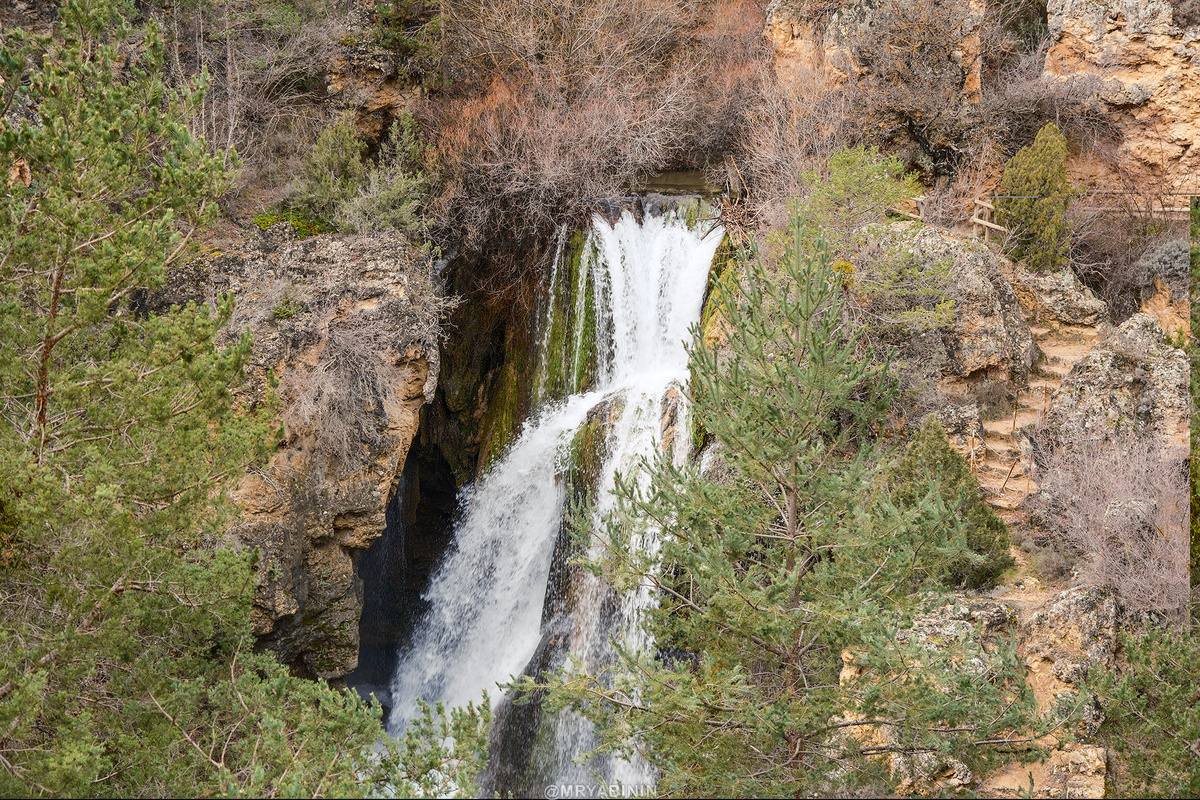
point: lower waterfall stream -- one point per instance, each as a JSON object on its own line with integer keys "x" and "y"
{"x": 494, "y": 608}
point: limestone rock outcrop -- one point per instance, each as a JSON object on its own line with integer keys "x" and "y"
{"x": 1146, "y": 53}
{"x": 964, "y": 429}
{"x": 1054, "y": 297}
{"x": 1131, "y": 382}
{"x": 1075, "y": 632}
{"x": 989, "y": 334}
{"x": 345, "y": 331}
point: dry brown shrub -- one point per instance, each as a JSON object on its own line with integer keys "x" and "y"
{"x": 342, "y": 403}
{"x": 1124, "y": 505}
{"x": 558, "y": 107}
{"x": 951, "y": 200}
{"x": 918, "y": 69}
{"x": 1110, "y": 235}
{"x": 794, "y": 128}
{"x": 1019, "y": 100}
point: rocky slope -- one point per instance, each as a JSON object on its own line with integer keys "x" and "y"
{"x": 1074, "y": 377}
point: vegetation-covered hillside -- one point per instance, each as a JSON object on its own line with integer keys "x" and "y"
{"x": 911, "y": 450}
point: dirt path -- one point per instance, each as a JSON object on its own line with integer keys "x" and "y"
{"x": 1004, "y": 474}
{"x": 1004, "y": 471}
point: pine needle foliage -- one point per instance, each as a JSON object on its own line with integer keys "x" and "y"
{"x": 855, "y": 190}
{"x": 1152, "y": 715}
{"x": 1034, "y": 195}
{"x": 928, "y": 459}
{"x": 773, "y": 567}
{"x": 125, "y": 612}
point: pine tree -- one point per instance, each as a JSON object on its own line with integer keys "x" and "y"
{"x": 129, "y": 665}
{"x": 778, "y": 563}
{"x": 1034, "y": 194}
{"x": 1152, "y": 714}
{"x": 930, "y": 459}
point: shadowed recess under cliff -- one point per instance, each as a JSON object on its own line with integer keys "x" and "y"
{"x": 505, "y": 601}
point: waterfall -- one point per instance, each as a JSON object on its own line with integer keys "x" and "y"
{"x": 612, "y": 357}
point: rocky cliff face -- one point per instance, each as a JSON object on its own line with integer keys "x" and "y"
{"x": 1146, "y": 52}
{"x": 821, "y": 37}
{"x": 345, "y": 331}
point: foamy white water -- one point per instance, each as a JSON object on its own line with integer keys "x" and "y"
{"x": 486, "y": 600}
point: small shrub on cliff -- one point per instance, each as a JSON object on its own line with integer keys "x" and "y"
{"x": 931, "y": 461}
{"x": 856, "y": 189}
{"x": 359, "y": 196}
{"x": 898, "y": 296}
{"x": 395, "y": 187}
{"x": 1035, "y": 193}
{"x": 333, "y": 171}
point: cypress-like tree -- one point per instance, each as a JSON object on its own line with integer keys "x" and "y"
{"x": 129, "y": 666}
{"x": 1034, "y": 194}
{"x": 928, "y": 459}
{"x": 776, "y": 564}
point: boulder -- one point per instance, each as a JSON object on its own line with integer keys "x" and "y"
{"x": 1054, "y": 297}
{"x": 988, "y": 335}
{"x": 964, "y": 429}
{"x": 1132, "y": 382}
{"x": 1071, "y": 634}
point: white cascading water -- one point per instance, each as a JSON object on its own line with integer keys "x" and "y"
{"x": 486, "y": 600}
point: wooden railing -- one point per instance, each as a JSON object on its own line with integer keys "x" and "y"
{"x": 983, "y": 218}
{"x": 986, "y": 223}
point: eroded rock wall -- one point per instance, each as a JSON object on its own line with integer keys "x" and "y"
{"x": 1146, "y": 53}
{"x": 345, "y": 333}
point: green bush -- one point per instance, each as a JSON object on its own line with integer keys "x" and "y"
{"x": 931, "y": 464}
{"x": 361, "y": 196}
{"x": 901, "y": 295}
{"x": 1033, "y": 199}
{"x": 333, "y": 170}
{"x": 394, "y": 188}
{"x": 1152, "y": 715}
{"x": 857, "y": 189}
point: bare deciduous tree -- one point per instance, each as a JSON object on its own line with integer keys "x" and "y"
{"x": 266, "y": 65}
{"x": 558, "y": 106}
{"x": 794, "y": 129}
